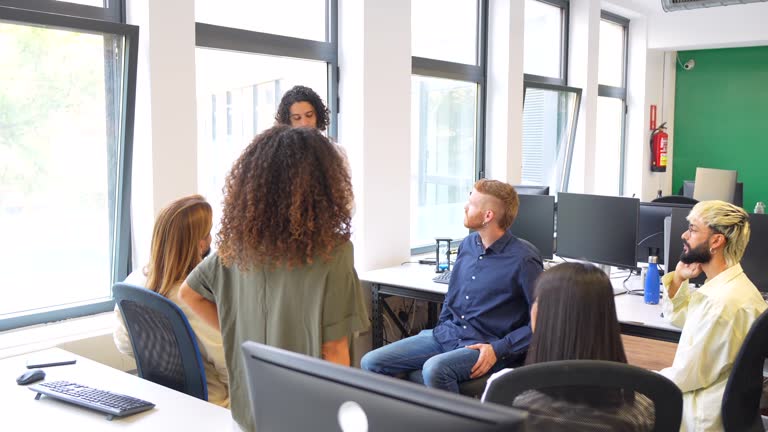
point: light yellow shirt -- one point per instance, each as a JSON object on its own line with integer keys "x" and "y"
{"x": 208, "y": 341}
{"x": 715, "y": 320}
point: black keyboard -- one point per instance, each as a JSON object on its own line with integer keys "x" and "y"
{"x": 112, "y": 404}
{"x": 443, "y": 277}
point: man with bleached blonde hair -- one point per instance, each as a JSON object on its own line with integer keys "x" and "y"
{"x": 716, "y": 317}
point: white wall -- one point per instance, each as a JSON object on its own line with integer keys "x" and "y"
{"x": 165, "y": 139}
{"x": 584, "y": 44}
{"x": 717, "y": 27}
{"x": 505, "y": 94}
{"x": 374, "y": 125}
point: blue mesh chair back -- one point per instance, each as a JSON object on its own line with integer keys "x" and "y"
{"x": 164, "y": 345}
{"x": 590, "y": 395}
{"x": 741, "y": 398}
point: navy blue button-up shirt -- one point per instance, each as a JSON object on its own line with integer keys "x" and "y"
{"x": 490, "y": 295}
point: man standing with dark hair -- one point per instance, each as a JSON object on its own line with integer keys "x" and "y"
{"x": 485, "y": 322}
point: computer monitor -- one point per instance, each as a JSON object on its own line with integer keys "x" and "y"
{"x": 532, "y": 190}
{"x": 756, "y": 255}
{"x": 650, "y": 233}
{"x": 596, "y": 228}
{"x": 714, "y": 184}
{"x": 678, "y": 225}
{"x": 294, "y": 392}
{"x": 535, "y": 222}
{"x": 738, "y": 193}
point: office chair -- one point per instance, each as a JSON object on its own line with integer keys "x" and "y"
{"x": 676, "y": 199}
{"x": 590, "y": 395}
{"x": 741, "y": 398}
{"x": 164, "y": 345}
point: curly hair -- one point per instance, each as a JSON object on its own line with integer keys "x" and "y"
{"x": 287, "y": 200}
{"x": 301, "y": 93}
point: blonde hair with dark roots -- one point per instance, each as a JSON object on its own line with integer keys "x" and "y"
{"x": 729, "y": 220}
{"x": 287, "y": 200}
{"x": 506, "y": 194}
{"x": 175, "y": 242}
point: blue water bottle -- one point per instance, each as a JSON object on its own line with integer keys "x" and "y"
{"x": 652, "y": 281}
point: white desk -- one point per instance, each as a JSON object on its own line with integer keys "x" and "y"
{"x": 173, "y": 410}
{"x": 415, "y": 281}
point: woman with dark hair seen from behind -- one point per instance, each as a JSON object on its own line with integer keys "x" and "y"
{"x": 181, "y": 238}
{"x": 573, "y": 317}
{"x": 302, "y": 107}
{"x": 284, "y": 272}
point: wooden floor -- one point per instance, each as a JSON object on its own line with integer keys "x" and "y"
{"x": 648, "y": 353}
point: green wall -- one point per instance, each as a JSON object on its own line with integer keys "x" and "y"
{"x": 721, "y": 117}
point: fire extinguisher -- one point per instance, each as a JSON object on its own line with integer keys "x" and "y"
{"x": 659, "y": 149}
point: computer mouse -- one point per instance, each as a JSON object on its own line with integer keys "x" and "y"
{"x": 30, "y": 376}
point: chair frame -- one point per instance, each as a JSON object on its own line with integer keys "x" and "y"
{"x": 741, "y": 398}
{"x": 666, "y": 396}
{"x": 192, "y": 362}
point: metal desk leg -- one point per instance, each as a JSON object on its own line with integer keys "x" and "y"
{"x": 377, "y": 329}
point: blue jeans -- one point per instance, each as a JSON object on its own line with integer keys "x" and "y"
{"x": 441, "y": 369}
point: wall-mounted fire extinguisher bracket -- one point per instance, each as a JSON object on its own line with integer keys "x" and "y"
{"x": 659, "y": 139}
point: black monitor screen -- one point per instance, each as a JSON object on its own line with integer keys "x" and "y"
{"x": 532, "y": 190}
{"x": 293, "y": 392}
{"x": 535, "y": 222}
{"x": 756, "y": 256}
{"x": 596, "y": 228}
{"x": 678, "y": 226}
{"x": 650, "y": 234}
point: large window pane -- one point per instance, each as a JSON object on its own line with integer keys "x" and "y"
{"x": 610, "y": 118}
{"x": 237, "y": 98}
{"x": 611, "y": 56}
{"x": 444, "y": 30}
{"x": 59, "y": 153}
{"x": 548, "y": 124}
{"x": 443, "y": 119}
{"x": 305, "y": 19}
{"x": 543, "y": 39}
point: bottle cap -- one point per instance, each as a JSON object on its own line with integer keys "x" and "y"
{"x": 653, "y": 259}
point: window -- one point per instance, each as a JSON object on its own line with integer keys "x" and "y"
{"x": 66, "y": 121}
{"x": 550, "y": 109}
{"x": 549, "y": 126}
{"x": 301, "y": 19}
{"x": 243, "y": 74}
{"x": 105, "y": 10}
{"x": 611, "y": 105}
{"x": 447, "y": 118}
{"x": 545, "y": 49}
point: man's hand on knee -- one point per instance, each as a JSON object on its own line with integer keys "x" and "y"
{"x": 485, "y": 362}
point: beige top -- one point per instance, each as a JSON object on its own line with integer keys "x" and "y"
{"x": 208, "y": 340}
{"x": 296, "y": 309}
{"x": 715, "y": 320}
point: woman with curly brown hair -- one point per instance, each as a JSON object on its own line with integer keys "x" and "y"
{"x": 284, "y": 273}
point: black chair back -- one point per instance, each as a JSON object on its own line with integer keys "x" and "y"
{"x": 676, "y": 199}
{"x": 639, "y": 389}
{"x": 164, "y": 345}
{"x": 741, "y": 399}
